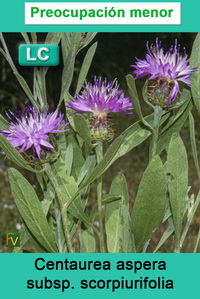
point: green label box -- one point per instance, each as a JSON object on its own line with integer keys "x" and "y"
{"x": 13, "y": 239}
{"x": 38, "y": 55}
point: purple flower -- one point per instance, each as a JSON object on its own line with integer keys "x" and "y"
{"x": 101, "y": 98}
{"x": 31, "y": 130}
{"x": 169, "y": 68}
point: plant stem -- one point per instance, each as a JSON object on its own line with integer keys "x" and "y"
{"x": 62, "y": 207}
{"x": 99, "y": 154}
{"x": 153, "y": 146}
{"x": 177, "y": 249}
{"x": 157, "y": 118}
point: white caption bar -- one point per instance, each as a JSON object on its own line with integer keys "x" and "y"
{"x": 108, "y": 13}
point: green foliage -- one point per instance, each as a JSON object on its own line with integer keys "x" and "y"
{"x": 114, "y": 220}
{"x": 31, "y": 210}
{"x": 87, "y": 241}
{"x": 82, "y": 128}
{"x": 195, "y": 77}
{"x": 148, "y": 210}
{"x": 177, "y": 171}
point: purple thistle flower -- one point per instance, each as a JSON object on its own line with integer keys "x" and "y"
{"x": 169, "y": 68}
{"x": 101, "y": 98}
{"x": 30, "y": 131}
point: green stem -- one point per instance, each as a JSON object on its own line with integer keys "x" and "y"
{"x": 157, "y": 118}
{"x": 99, "y": 154}
{"x": 177, "y": 249}
{"x": 153, "y": 147}
{"x": 62, "y": 207}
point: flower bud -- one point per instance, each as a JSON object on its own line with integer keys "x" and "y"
{"x": 100, "y": 129}
{"x": 159, "y": 91}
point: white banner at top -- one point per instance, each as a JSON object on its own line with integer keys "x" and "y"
{"x": 98, "y": 13}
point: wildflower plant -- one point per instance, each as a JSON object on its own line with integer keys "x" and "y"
{"x": 68, "y": 153}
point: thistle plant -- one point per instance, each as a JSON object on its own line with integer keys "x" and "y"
{"x": 69, "y": 149}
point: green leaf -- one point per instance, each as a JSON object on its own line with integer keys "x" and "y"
{"x": 195, "y": 77}
{"x": 128, "y": 242}
{"x": 89, "y": 36}
{"x": 87, "y": 241}
{"x": 31, "y": 210}
{"x": 134, "y": 95}
{"x": 136, "y": 103}
{"x": 40, "y": 85}
{"x": 149, "y": 206}
{"x": 85, "y": 66}
{"x": 114, "y": 220}
{"x": 66, "y": 44}
{"x": 69, "y": 158}
{"x": 83, "y": 129}
{"x": 53, "y": 37}
{"x": 68, "y": 69}
{"x": 177, "y": 169}
{"x": 177, "y": 125}
{"x": 3, "y": 123}
{"x": 34, "y": 37}
{"x": 107, "y": 198}
{"x": 193, "y": 144}
{"x": 25, "y": 234}
{"x": 13, "y": 154}
{"x": 78, "y": 159}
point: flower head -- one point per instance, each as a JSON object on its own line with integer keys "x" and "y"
{"x": 31, "y": 130}
{"x": 101, "y": 98}
{"x": 167, "y": 68}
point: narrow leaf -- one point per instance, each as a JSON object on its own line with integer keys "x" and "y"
{"x": 83, "y": 129}
{"x": 134, "y": 95}
{"x": 85, "y": 66}
{"x": 114, "y": 220}
{"x": 149, "y": 206}
{"x": 195, "y": 77}
{"x": 177, "y": 169}
{"x": 3, "y": 123}
{"x": 193, "y": 144}
{"x": 31, "y": 210}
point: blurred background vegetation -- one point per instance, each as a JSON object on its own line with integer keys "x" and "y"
{"x": 115, "y": 54}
